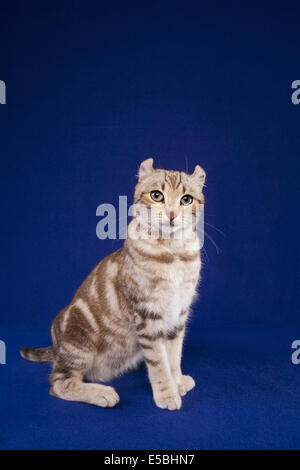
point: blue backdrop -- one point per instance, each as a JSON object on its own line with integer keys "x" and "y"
{"x": 93, "y": 88}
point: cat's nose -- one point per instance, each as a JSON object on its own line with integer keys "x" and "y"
{"x": 172, "y": 216}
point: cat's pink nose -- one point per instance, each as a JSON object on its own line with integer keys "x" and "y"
{"x": 172, "y": 216}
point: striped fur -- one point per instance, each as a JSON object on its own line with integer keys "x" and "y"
{"x": 134, "y": 304}
{"x": 38, "y": 354}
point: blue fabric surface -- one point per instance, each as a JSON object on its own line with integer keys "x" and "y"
{"x": 246, "y": 397}
{"x": 95, "y": 87}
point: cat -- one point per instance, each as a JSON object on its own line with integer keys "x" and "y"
{"x": 135, "y": 303}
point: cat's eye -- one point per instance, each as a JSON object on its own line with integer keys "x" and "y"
{"x": 186, "y": 200}
{"x": 157, "y": 196}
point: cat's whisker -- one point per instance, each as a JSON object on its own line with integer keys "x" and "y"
{"x": 215, "y": 228}
{"x": 205, "y": 252}
{"x": 186, "y": 165}
{"x": 218, "y": 250}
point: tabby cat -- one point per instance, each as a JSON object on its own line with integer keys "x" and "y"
{"x": 135, "y": 303}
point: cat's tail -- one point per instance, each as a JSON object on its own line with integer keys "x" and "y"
{"x": 37, "y": 354}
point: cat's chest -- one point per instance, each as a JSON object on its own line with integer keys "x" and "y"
{"x": 177, "y": 286}
{"x": 181, "y": 272}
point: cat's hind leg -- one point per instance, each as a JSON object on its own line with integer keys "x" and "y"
{"x": 74, "y": 389}
{"x": 67, "y": 382}
{"x": 78, "y": 339}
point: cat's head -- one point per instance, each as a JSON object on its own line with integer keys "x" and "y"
{"x": 169, "y": 200}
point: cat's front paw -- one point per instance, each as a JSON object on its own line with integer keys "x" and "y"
{"x": 185, "y": 384}
{"x": 107, "y": 397}
{"x": 168, "y": 400}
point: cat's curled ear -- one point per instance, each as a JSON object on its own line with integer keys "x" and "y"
{"x": 199, "y": 175}
{"x": 146, "y": 168}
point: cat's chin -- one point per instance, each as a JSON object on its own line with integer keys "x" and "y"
{"x": 171, "y": 228}
{"x": 177, "y": 231}
{"x": 160, "y": 230}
